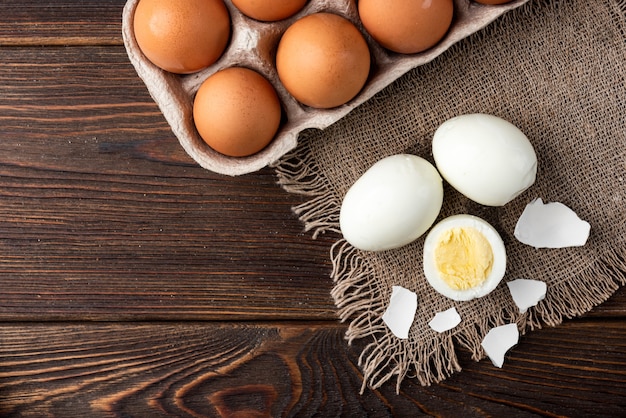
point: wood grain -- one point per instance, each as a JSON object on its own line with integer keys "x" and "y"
{"x": 62, "y": 22}
{"x": 291, "y": 369}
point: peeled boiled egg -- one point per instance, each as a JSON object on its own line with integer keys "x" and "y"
{"x": 237, "y": 111}
{"x": 182, "y": 36}
{"x": 406, "y": 26}
{"x": 464, "y": 257}
{"x": 269, "y": 10}
{"x": 323, "y": 60}
{"x": 392, "y": 204}
{"x": 486, "y": 158}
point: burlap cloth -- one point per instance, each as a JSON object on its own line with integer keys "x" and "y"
{"x": 556, "y": 69}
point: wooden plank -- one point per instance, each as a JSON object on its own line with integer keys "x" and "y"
{"x": 292, "y": 369}
{"x": 83, "y": 108}
{"x": 85, "y": 245}
{"x": 61, "y": 22}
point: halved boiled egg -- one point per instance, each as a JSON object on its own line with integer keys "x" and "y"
{"x": 464, "y": 257}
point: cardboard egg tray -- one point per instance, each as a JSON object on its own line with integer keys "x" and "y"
{"x": 253, "y": 44}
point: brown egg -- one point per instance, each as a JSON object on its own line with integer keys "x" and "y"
{"x": 323, "y": 60}
{"x": 182, "y": 36}
{"x": 269, "y": 10}
{"x": 406, "y": 26}
{"x": 493, "y": 1}
{"x": 237, "y": 111}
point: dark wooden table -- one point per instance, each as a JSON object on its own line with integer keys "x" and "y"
{"x": 133, "y": 283}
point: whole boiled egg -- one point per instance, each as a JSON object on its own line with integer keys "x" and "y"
{"x": 323, "y": 60}
{"x": 237, "y": 111}
{"x": 269, "y": 10}
{"x": 182, "y": 36}
{"x": 392, "y": 204}
{"x": 464, "y": 257}
{"x": 486, "y": 158}
{"x": 406, "y": 26}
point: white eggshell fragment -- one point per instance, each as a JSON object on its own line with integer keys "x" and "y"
{"x": 400, "y": 313}
{"x": 551, "y": 225}
{"x": 484, "y": 157}
{"x": 464, "y": 257}
{"x": 446, "y": 320}
{"x": 392, "y": 204}
{"x": 498, "y": 341}
{"x": 527, "y": 293}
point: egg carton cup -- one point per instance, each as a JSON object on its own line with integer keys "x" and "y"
{"x": 253, "y": 45}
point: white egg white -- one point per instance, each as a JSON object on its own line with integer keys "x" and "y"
{"x": 486, "y": 158}
{"x": 498, "y": 268}
{"x": 392, "y": 204}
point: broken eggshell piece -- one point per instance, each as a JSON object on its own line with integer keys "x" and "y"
{"x": 400, "y": 313}
{"x": 498, "y": 341}
{"x": 527, "y": 293}
{"x": 551, "y": 225}
{"x": 445, "y": 321}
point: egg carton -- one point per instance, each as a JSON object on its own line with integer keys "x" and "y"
{"x": 253, "y": 45}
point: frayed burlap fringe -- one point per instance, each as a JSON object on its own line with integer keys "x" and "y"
{"x": 297, "y": 173}
{"x": 386, "y": 356}
{"x": 585, "y": 290}
{"x": 360, "y": 292}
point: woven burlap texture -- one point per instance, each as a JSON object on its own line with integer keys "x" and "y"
{"x": 555, "y": 69}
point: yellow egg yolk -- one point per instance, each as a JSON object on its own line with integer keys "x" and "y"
{"x": 463, "y": 257}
